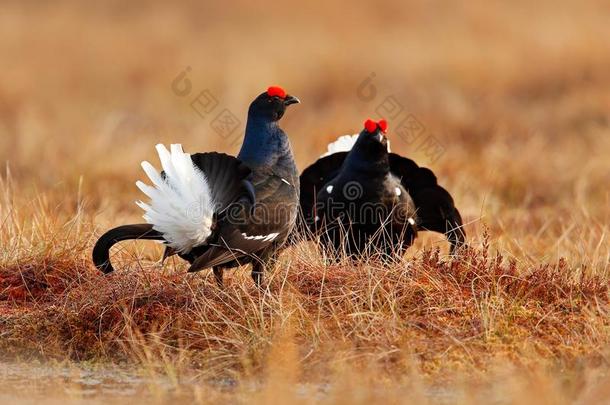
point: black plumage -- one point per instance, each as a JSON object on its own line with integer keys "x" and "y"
{"x": 367, "y": 200}
{"x": 255, "y": 198}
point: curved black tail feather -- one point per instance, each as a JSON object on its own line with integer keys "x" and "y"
{"x": 101, "y": 250}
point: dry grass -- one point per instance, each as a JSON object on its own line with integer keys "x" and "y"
{"x": 518, "y": 96}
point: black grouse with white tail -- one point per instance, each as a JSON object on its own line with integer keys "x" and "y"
{"x": 360, "y": 198}
{"x": 215, "y": 210}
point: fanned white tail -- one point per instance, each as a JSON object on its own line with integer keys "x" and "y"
{"x": 181, "y": 203}
{"x": 344, "y": 143}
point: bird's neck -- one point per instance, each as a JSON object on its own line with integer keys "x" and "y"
{"x": 264, "y": 144}
{"x": 365, "y": 163}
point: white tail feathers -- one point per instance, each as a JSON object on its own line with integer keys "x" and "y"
{"x": 344, "y": 143}
{"x": 181, "y": 203}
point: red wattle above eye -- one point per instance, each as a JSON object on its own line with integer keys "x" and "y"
{"x": 276, "y": 91}
{"x": 383, "y": 124}
{"x": 370, "y": 126}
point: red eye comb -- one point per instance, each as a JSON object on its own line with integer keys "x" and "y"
{"x": 370, "y": 126}
{"x": 383, "y": 124}
{"x": 276, "y": 91}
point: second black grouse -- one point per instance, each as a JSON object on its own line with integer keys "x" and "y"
{"x": 360, "y": 198}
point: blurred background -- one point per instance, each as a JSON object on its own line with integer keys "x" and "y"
{"x": 508, "y": 103}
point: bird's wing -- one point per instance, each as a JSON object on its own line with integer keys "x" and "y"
{"x": 435, "y": 208}
{"x": 267, "y": 184}
{"x": 226, "y": 176}
{"x": 312, "y": 180}
{"x": 232, "y": 245}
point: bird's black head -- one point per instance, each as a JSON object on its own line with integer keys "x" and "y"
{"x": 370, "y": 152}
{"x": 271, "y": 104}
{"x": 372, "y": 140}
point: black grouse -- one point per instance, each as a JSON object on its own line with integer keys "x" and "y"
{"x": 215, "y": 210}
{"x": 359, "y": 198}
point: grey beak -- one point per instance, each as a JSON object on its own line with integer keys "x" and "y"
{"x": 291, "y": 100}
